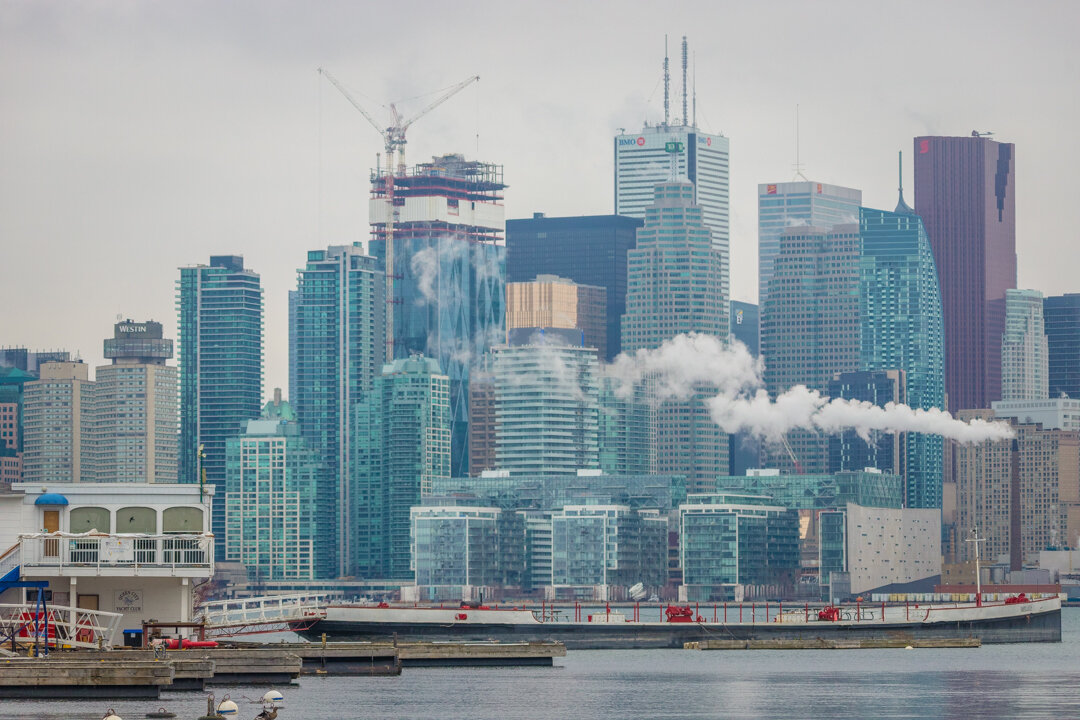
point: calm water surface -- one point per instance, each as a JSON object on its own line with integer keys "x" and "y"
{"x": 995, "y": 681}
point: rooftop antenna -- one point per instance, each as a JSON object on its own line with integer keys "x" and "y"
{"x": 695, "y": 89}
{"x": 798, "y": 163}
{"x": 901, "y": 206}
{"x": 684, "y": 116}
{"x": 667, "y": 85}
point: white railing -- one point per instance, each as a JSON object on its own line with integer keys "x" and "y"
{"x": 272, "y": 609}
{"x": 9, "y": 560}
{"x": 97, "y": 550}
{"x": 66, "y": 626}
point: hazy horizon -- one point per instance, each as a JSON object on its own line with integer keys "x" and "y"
{"x": 140, "y": 137}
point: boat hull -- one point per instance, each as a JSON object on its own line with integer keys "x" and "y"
{"x": 1040, "y": 624}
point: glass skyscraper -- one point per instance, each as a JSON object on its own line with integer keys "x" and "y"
{"x": 1061, "y": 317}
{"x": 449, "y": 271}
{"x": 546, "y": 407}
{"x": 902, "y": 329}
{"x": 1024, "y": 354}
{"x": 220, "y": 360}
{"x": 810, "y": 328}
{"x": 675, "y": 285}
{"x": 790, "y": 204}
{"x": 338, "y": 350}
{"x": 402, "y": 444}
{"x": 965, "y": 193}
{"x": 590, "y": 250}
{"x": 270, "y": 498}
{"x": 664, "y": 153}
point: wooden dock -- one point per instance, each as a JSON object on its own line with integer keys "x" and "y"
{"x": 819, "y": 643}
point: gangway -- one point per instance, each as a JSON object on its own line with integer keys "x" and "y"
{"x": 57, "y": 626}
{"x": 271, "y": 613}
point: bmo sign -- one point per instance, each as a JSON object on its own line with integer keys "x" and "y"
{"x": 638, "y": 141}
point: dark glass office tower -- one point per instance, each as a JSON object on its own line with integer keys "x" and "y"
{"x": 1061, "y": 318}
{"x": 965, "y": 192}
{"x": 590, "y": 250}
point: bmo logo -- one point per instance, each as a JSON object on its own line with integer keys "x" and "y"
{"x": 704, "y": 141}
{"x": 623, "y": 142}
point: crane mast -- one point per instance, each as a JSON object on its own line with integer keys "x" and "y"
{"x": 394, "y": 146}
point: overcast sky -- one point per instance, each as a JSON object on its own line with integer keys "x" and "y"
{"x": 137, "y": 137}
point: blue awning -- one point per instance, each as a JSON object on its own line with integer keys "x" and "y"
{"x": 51, "y": 499}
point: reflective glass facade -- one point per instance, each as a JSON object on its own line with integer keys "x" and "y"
{"x": 675, "y": 286}
{"x": 546, "y": 408}
{"x": 1061, "y": 315}
{"x": 825, "y": 491}
{"x": 729, "y": 539}
{"x": 810, "y": 327}
{"x": 965, "y": 193}
{"x": 338, "y": 350}
{"x": 220, "y": 360}
{"x": 272, "y": 479}
{"x": 903, "y": 329}
{"x": 401, "y": 444}
{"x": 789, "y": 204}
{"x": 590, "y": 250}
{"x": 1024, "y": 354}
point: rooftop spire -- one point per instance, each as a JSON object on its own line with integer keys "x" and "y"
{"x": 901, "y": 206}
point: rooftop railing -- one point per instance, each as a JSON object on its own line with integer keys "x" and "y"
{"x": 99, "y": 550}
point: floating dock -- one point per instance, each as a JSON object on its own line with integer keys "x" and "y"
{"x": 66, "y": 677}
{"x": 821, "y": 643}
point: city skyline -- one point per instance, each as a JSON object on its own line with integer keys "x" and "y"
{"x": 179, "y": 156}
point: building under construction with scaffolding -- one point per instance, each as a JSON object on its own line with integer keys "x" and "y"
{"x": 448, "y": 272}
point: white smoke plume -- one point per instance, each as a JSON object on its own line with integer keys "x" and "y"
{"x": 689, "y": 361}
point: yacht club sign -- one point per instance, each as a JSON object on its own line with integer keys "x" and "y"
{"x": 128, "y": 601}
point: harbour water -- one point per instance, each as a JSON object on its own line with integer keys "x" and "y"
{"x": 994, "y": 681}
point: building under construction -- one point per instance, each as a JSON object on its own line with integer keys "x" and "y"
{"x": 448, "y": 271}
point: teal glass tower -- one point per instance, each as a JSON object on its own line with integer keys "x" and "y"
{"x": 402, "y": 443}
{"x": 902, "y": 328}
{"x": 220, "y": 308}
{"x": 337, "y": 349}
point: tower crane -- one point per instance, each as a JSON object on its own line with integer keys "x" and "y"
{"x": 394, "y": 142}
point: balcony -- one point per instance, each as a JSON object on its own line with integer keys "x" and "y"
{"x": 116, "y": 555}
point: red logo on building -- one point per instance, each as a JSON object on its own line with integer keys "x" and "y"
{"x": 708, "y": 141}
{"x": 770, "y": 189}
{"x": 819, "y": 188}
{"x": 641, "y": 141}
{"x": 924, "y": 147}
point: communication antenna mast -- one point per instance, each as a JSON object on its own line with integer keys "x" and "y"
{"x": 798, "y": 163}
{"x": 695, "y": 90}
{"x": 684, "y": 116}
{"x": 667, "y": 85}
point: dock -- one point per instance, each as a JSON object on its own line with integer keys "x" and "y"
{"x": 142, "y": 673}
{"x": 66, "y": 677}
{"x": 384, "y": 658}
{"x": 820, "y": 643}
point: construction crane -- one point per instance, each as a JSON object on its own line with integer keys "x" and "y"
{"x": 394, "y": 142}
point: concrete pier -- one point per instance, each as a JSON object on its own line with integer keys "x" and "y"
{"x": 61, "y": 677}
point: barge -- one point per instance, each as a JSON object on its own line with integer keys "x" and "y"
{"x": 1016, "y": 620}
